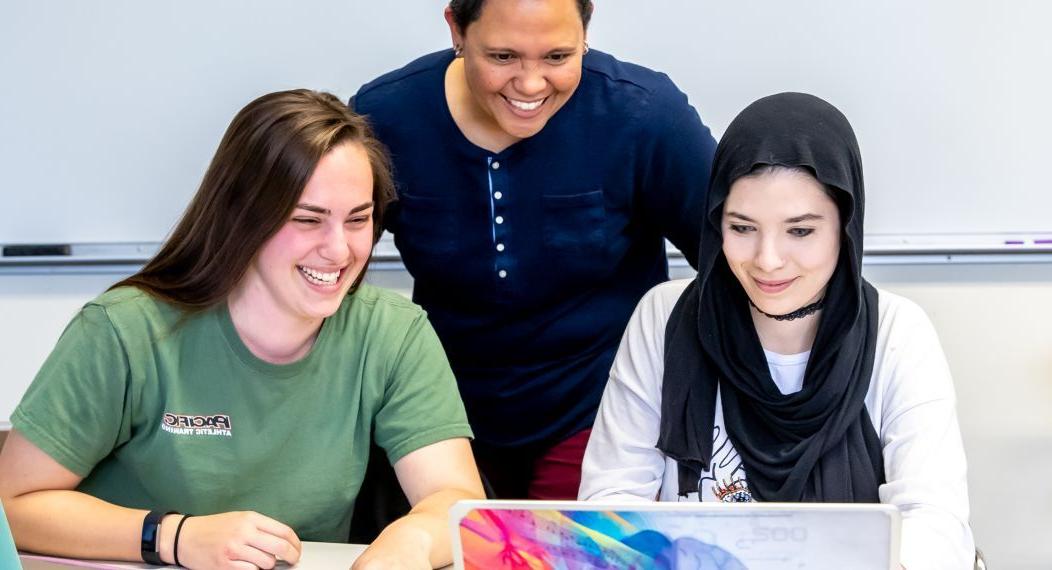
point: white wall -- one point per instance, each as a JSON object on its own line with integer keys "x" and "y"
{"x": 994, "y": 325}
{"x": 112, "y": 109}
{"x": 993, "y": 321}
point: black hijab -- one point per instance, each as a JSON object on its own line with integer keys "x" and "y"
{"x": 818, "y": 444}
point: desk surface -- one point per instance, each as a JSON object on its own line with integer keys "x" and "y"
{"x": 316, "y": 556}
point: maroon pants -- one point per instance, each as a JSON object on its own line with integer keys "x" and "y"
{"x": 548, "y": 473}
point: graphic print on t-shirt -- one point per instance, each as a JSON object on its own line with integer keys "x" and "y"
{"x": 726, "y": 472}
{"x": 725, "y": 479}
{"x": 186, "y": 424}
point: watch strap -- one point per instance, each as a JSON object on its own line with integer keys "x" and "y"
{"x": 151, "y": 527}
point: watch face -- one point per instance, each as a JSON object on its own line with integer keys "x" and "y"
{"x": 151, "y": 524}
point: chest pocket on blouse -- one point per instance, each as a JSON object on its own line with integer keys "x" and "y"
{"x": 426, "y": 224}
{"x": 574, "y": 226}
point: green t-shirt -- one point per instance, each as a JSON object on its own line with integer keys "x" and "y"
{"x": 159, "y": 411}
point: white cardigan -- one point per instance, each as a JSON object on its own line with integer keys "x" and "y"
{"x": 910, "y": 401}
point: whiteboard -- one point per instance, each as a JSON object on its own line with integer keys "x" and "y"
{"x": 110, "y": 111}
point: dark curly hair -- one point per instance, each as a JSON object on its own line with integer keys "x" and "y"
{"x": 467, "y": 11}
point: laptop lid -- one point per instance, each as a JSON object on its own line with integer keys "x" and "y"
{"x": 568, "y": 535}
{"x": 8, "y": 553}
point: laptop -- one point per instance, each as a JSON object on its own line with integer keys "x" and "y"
{"x": 569, "y": 535}
{"x": 8, "y": 553}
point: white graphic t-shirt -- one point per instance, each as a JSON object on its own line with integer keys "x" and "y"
{"x": 726, "y": 480}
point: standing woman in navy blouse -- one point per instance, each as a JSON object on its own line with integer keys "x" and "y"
{"x": 537, "y": 180}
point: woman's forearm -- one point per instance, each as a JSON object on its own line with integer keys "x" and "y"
{"x": 76, "y": 525}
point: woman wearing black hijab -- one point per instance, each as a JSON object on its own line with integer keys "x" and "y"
{"x": 779, "y": 373}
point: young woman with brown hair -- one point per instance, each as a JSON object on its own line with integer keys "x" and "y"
{"x": 242, "y": 373}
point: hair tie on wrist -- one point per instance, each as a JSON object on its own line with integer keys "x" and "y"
{"x": 175, "y": 545}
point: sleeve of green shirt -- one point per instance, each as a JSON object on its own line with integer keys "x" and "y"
{"x": 74, "y": 409}
{"x": 421, "y": 403}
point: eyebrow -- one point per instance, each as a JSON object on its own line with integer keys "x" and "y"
{"x": 740, "y": 216}
{"x": 793, "y": 220}
{"x": 326, "y": 211}
{"x": 803, "y": 218}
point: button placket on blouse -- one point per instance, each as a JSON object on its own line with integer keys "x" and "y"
{"x": 497, "y": 186}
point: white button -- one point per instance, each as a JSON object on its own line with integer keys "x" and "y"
{"x": 500, "y": 247}
{"x": 502, "y": 274}
{"x": 499, "y": 219}
{"x": 495, "y": 165}
{"x": 497, "y": 195}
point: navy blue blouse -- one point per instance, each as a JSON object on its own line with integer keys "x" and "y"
{"x": 530, "y": 261}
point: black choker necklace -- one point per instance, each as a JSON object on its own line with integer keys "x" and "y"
{"x": 797, "y": 314}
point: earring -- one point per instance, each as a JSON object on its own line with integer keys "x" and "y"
{"x": 457, "y": 50}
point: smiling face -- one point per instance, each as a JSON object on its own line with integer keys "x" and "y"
{"x": 781, "y": 238}
{"x": 522, "y": 61}
{"x": 304, "y": 271}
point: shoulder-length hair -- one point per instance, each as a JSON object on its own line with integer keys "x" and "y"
{"x": 259, "y": 171}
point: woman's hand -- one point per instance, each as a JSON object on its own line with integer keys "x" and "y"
{"x": 241, "y": 540}
{"x": 399, "y": 547}
{"x": 433, "y": 478}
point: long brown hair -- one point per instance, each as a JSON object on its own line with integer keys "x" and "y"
{"x": 264, "y": 161}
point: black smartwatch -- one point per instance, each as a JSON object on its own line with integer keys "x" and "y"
{"x": 151, "y": 527}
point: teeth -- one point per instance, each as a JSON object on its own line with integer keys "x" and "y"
{"x": 524, "y": 105}
{"x": 318, "y": 276}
